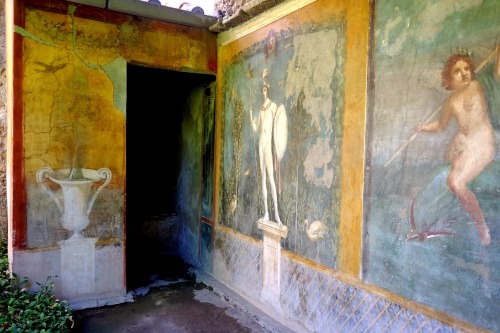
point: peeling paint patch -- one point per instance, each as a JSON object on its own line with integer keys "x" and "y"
{"x": 27, "y": 34}
{"x": 117, "y": 73}
{"x": 317, "y": 167}
{"x": 311, "y": 70}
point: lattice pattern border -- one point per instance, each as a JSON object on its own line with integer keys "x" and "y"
{"x": 315, "y": 299}
{"x": 322, "y": 303}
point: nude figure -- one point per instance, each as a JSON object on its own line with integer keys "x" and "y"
{"x": 473, "y": 147}
{"x": 264, "y": 122}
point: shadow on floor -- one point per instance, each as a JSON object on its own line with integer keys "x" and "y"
{"x": 173, "y": 302}
{"x": 169, "y": 294}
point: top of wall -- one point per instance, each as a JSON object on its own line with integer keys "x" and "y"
{"x": 157, "y": 12}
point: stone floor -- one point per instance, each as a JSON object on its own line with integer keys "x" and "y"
{"x": 176, "y": 301}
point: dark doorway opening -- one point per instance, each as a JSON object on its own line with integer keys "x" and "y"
{"x": 157, "y": 102}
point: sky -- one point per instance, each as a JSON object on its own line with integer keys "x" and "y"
{"x": 207, "y": 5}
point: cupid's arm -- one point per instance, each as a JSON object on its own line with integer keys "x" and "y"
{"x": 437, "y": 125}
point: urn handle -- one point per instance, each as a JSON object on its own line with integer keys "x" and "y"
{"x": 105, "y": 174}
{"x": 43, "y": 174}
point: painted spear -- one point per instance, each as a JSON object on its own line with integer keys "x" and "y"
{"x": 414, "y": 135}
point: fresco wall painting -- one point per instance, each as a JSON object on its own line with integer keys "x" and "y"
{"x": 283, "y": 102}
{"x": 74, "y": 113}
{"x": 313, "y": 67}
{"x": 432, "y": 232}
{"x": 73, "y": 209}
{"x": 292, "y": 95}
{"x": 282, "y": 135}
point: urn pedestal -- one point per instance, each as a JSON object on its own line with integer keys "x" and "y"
{"x": 77, "y": 252}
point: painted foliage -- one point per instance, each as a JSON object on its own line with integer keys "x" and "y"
{"x": 73, "y": 116}
{"x": 75, "y": 101}
{"x": 283, "y": 106}
{"x": 432, "y": 152}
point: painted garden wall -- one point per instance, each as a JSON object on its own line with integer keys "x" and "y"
{"x": 371, "y": 237}
{"x": 424, "y": 239}
{"x": 305, "y": 67}
{"x": 287, "y": 169}
{"x": 299, "y": 159}
{"x": 73, "y": 140}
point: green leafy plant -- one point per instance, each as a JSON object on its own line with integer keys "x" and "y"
{"x": 24, "y": 311}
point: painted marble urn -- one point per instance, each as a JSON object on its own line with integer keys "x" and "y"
{"x": 77, "y": 197}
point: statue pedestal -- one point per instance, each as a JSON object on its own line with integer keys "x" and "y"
{"x": 272, "y": 262}
{"x": 78, "y": 267}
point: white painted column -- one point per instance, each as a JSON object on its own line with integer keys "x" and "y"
{"x": 273, "y": 233}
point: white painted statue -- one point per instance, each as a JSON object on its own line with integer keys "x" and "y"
{"x": 272, "y": 123}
